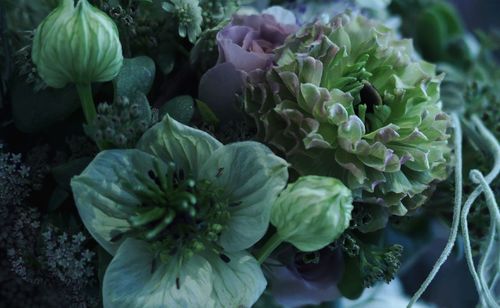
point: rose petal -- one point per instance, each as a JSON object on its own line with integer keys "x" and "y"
{"x": 219, "y": 88}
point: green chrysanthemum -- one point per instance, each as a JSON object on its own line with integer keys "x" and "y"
{"x": 348, "y": 99}
{"x": 178, "y": 213}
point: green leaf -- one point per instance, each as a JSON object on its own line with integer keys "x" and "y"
{"x": 136, "y": 74}
{"x": 141, "y": 100}
{"x": 181, "y": 108}
{"x": 63, "y": 173}
{"x": 166, "y": 59}
{"x": 431, "y": 35}
{"x": 450, "y": 17}
{"x": 351, "y": 283}
{"x": 34, "y": 111}
{"x": 379, "y": 215}
{"x": 206, "y": 113}
{"x": 59, "y": 195}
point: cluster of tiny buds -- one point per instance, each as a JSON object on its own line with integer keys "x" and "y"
{"x": 349, "y": 245}
{"x": 184, "y": 14}
{"x": 120, "y": 124}
{"x": 25, "y": 66}
{"x": 15, "y": 179}
{"x": 209, "y": 13}
{"x": 123, "y": 16}
{"x": 360, "y": 217}
{"x": 214, "y": 11}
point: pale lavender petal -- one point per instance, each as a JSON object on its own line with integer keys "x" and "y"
{"x": 219, "y": 87}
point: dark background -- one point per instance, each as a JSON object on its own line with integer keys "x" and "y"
{"x": 453, "y": 287}
{"x": 484, "y": 14}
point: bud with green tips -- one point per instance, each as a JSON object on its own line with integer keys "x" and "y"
{"x": 77, "y": 44}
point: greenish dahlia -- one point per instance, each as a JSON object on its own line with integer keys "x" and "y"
{"x": 349, "y": 99}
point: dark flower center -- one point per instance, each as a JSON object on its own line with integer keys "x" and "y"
{"x": 182, "y": 216}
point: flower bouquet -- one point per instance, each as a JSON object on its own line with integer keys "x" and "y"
{"x": 231, "y": 153}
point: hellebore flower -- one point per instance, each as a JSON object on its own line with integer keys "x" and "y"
{"x": 348, "y": 99}
{"x": 77, "y": 45}
{"x": 245, "y": 44}
{"x": 178, "y": 213}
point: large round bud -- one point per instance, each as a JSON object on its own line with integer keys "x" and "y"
{"x": 77, "y": 44}
{"x": 312, "y": 212}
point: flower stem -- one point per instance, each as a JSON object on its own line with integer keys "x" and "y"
{"x": 85, "y": 93}
{"x": 272, "y": 243}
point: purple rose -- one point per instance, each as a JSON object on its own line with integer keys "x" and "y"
{"x": 245, "y": 45}
{"x": 248, "y": 42}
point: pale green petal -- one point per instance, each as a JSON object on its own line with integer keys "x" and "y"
{"x": 133, "y": 281}
{"x": 238, "y": 283}
{"x": 104, "y": 203}
{"x": 251, "y": 177}
{"x": 170, "y": 140}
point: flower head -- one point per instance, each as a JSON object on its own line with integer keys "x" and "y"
{"x": 178, "y": 213}
{"x": 246, "y": 44}
{"x": 77, "y": 44}
{"x": 348, "y": 99}
{"x": 15, "y": 179}
{"x": 189, "y": 16}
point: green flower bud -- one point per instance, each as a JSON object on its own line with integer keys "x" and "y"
{"x": 312, "y": 212}
{"x": 77, "y": 44}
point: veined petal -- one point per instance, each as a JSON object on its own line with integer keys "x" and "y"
{"x": 132, "y": 280}
{"x": 237, "y": 283}
{"x": 251, "y": 177}
{"x": 172, "y": 141}
{"x": 106, "y": 193}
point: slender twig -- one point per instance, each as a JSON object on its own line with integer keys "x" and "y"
{"x": 456, "y": 212}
